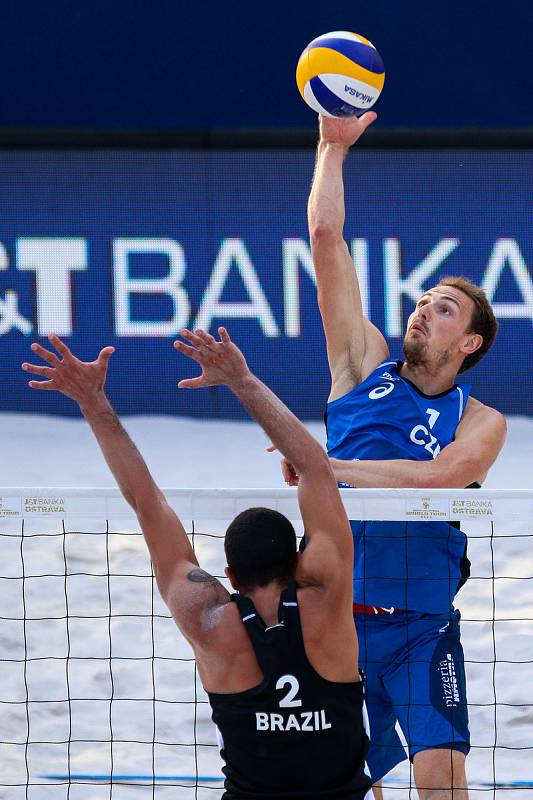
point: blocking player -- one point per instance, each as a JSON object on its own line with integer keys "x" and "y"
{"x": 403, "y": 424}
{"x": 278, "y": 659}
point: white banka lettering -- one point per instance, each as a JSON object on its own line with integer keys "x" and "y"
{"x": 296, "y": 253}
{"x": 10, "y": 317}
{"x": 233, "y": 251}
{"x": 506, "y": 252}
{"x": 305, "y": 721}
{"x": 411, "y": 285}
{"x": 169, "y": 285}
{"x": 54, "y": 260}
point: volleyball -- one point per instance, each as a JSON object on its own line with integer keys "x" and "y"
{"x": 340, "y": 74}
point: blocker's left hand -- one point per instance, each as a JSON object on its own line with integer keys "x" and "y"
{"x": 79, "y": 380}
{"x": 290, "y": 476}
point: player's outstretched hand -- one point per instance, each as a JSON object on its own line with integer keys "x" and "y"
{"x": 221, "y": 361}
{"x": 345, "y": 131}
{"x": 290, "y": 476}
{"x": 79, "y": 380}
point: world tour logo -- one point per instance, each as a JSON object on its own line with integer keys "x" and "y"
{"x": 425, "y": 508}
{"x": 9, "y": 506}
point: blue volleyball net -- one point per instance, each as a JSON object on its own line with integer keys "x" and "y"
{"x": 99, "y": 694}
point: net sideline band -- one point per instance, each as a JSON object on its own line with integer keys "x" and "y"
{"x": 279, "y": 657}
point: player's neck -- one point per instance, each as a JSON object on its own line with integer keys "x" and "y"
{"x": 266, "y": 601}
{"x": 427, "y": 381}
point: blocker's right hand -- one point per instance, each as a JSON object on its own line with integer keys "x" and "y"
{"x": 221, "y": 361}
{"x": 345, "y": 131}
{"x": 79, "y": 380}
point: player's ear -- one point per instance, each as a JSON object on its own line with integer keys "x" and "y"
{"x": 471, "y": 343}
{"x": 231, "y": 578}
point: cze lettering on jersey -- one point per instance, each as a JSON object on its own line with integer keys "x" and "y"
{"x": 308, "y": 721}
{"x": 421, "y": 435}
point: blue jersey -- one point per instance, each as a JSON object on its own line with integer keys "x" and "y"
{"x": 417, "y": 566}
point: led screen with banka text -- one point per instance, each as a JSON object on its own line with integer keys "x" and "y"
{"x": 127, "y": 248}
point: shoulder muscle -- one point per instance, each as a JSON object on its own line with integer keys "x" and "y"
{"x": 192, "y": 598}
{"x": 479, "y": 419}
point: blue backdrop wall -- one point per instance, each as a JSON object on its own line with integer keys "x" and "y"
{"x": 148, "y": 65}
{"x": 126, "y": 248}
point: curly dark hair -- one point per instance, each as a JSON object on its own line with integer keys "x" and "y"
{"x": 260, "y": 547}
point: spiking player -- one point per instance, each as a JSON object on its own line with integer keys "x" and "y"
{"x": 279, "y": 659}
{"x": 400, "y": 424}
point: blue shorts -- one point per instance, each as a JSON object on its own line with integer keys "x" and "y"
{"x": 414, "y": 672}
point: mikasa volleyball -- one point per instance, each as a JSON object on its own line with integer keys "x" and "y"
{"x": 340, "y": 74}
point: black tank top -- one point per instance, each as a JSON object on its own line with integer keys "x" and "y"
{"x": 295, "y": 735}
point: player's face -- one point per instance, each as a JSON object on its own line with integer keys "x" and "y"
{"x": 437, "y": 327}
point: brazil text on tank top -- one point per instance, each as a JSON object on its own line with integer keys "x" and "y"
{"x": 418, "y": 566}
{"x": 295, "y": 735}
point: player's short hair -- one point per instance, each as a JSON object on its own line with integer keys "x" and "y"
{"x": 483, "y": 320}
{"x": 260, "y": 547}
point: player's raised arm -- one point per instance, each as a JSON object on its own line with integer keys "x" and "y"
{"x": 355, "y": 347}
{"x": 170, "y": 550}
{"x": 329, "y": 558}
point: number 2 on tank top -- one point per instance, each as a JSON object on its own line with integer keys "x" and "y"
{"x": 289, "y": 701}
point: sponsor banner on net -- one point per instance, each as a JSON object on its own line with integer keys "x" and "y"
{"x": 63, "y": 503}
{"x": 427, "y": 508}
{"x": 434, "y": 507}
{"x": 469, "y": 508}
{"x": 47, "y": 506}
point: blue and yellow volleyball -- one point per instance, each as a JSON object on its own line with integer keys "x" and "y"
{"x": 340, "y": 74}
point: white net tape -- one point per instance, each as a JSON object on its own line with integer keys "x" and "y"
{"x": 388, "y": 504}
